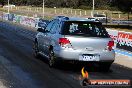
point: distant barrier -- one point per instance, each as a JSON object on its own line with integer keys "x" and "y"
{"x": 128, "y": 22}
{"x": 24, "y": 20}
{"x": 123, "y": 40}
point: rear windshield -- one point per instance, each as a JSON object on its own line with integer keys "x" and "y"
{"x": 84, "y": 28}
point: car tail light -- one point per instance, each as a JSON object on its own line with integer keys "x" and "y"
{"x": 64, "y": 42}
{"x": 110, "y": 45}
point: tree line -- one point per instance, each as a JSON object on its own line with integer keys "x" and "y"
{"x": 124, "y": 5}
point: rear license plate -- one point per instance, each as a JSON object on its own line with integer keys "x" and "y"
{"x": 89, "y": 57}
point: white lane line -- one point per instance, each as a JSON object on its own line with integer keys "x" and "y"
{"x": 125, "y": 53}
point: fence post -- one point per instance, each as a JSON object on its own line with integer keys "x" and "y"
{"x": 91, "y": 14}
{"x": 67, "y": 11}
{"x": 62, "y": 11}
{"x": 80, "y": 13}
{"x": 37, "y": 9}
{"x": 85, "y": 12}
{"x": 106, "y": 18}
{"x": 128, "y": 19}
{"x": 55, "y": 9}
{"x": 71, "y": 11}
{"x": 75, "y": 12}
{"x": 111, "y": 19}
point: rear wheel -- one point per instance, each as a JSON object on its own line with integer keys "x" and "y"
{"x": 105, "y": 66}
{"x": 36, "y": 50}
{"x": 52, "y": 59}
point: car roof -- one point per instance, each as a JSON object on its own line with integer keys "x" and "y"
{"x": 63, "y": 18}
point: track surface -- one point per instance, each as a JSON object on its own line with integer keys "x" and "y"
{"x": 20, "y": 69}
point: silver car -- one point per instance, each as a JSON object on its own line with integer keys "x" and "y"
{"x": 75, "y": 39}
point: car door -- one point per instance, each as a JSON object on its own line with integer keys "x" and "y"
{"x": 46, "y": 37}
{"x": 55, "y": 34}
{"x": 50, "y": 36}
{"x": 40, "y": 41}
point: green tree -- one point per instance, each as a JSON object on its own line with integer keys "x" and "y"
{"x": 124, "y": 5}
{"x": 3, "y": 2}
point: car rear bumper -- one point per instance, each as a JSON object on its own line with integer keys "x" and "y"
{"x": 70, "y": 54}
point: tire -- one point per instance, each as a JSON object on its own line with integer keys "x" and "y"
{"x": 52, "y": 59}
{"x": 105, "y": 66}
{"x": 36, "y": 50}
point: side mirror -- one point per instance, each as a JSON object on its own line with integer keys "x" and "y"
{"x": 41, "y": 30}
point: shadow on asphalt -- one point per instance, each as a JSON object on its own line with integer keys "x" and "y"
{"x": 75, "y": 67}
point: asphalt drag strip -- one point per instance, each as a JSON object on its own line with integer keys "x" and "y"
{"x": 20, "y": 69}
